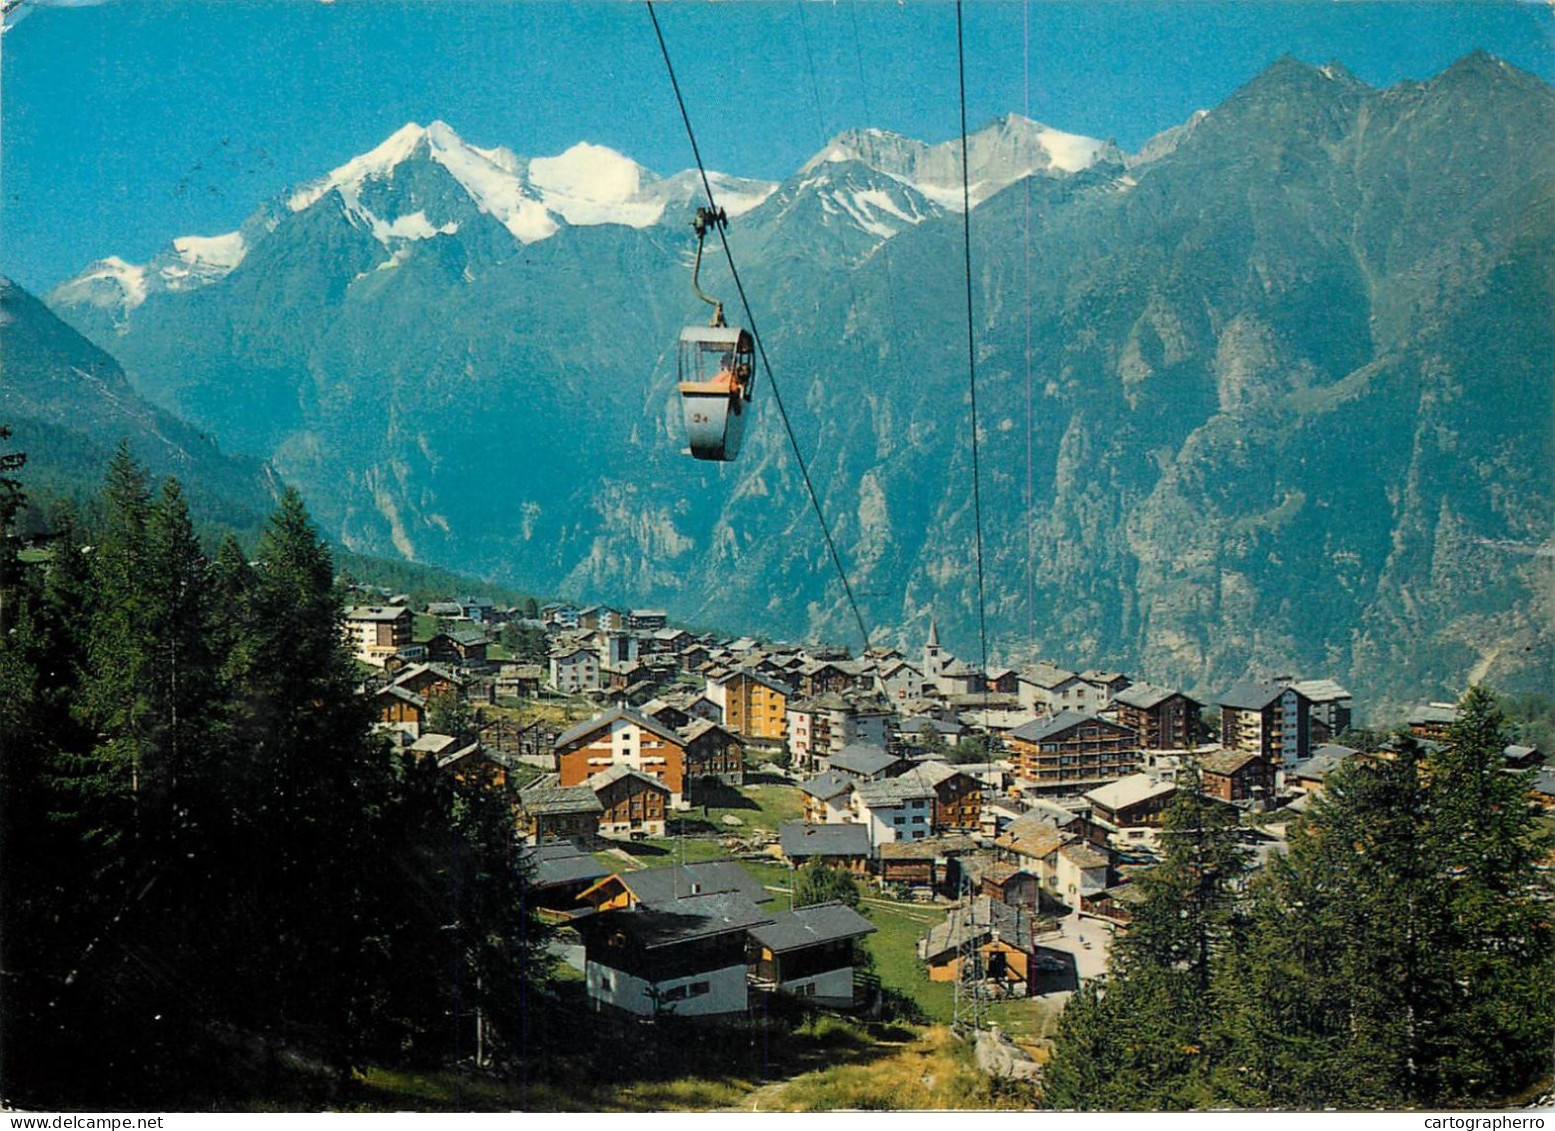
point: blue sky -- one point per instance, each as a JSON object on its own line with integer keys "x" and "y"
{"x": 126, "y": 123}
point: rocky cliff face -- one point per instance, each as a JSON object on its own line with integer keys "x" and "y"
{"x": 1274, "y": 396}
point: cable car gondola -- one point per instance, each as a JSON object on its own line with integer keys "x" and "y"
{"x": 716, "y": 367}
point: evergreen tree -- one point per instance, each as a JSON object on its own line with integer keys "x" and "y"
{"x": 1498, "y": 1016}
{"x": 1143, "y": 1038}
{"x": 1333, "y": 999}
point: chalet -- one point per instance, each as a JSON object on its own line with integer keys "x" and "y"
{"x": 622, "y": 737}
{"x": 653, "y": 886}
{"x": 1072, "y": 751}
{"x": 1309, "y": 773}
{"x": 1137, "y": 801}
{"x": 519, "y": 681}
{"x": 1116, "y": 903}
{"x": 933, "y": 863}
{"x": 1271, "y": 720}
{"x": 866, "y": 763}
{"x": 1031, "y": 841}
{"x": 399, "y": 709}
{"x": 844, "y": 846}
{"x": 574, "y": 669}
{"x": 893, "y": 809}
{"x": 752, "y": 704}
{"x": 631, "y": 802}
{"x": 1433, "y": 721}
{"x": 1236, "y": 775}
{"x": 434, "y": 746}
{"x": 712, "y": 754}
{"x": 1004, "y": 937}
{"x": 551, "y": 812}
{"x": 685, "y": 957}
{"x": 666, "y": 712}
{"x": 809, "y": 952}
{"x": 829, "y": 677}
{"x": 558, "y": 872}
{"x": 445, "y": 610}
{"x": 1008, "y": 883}
{"x": 668, "y": 642}
{"x": 828, "y": 799}
{"x": 958, "y": 797}
{"x": 471, "y": 764}
{"x": 376, "y": 632}
{"x": 1516, "y": 757}
{"x": 1162, "y": 717}
{"x": 428, "y": 680}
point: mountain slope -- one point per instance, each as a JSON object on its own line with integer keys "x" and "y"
{"x": 69, "y": 405}
{"x": 1270, "y": 396}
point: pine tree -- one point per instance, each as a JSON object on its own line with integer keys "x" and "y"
{"x": 1498, "y": 1010}
{"x": 1143, "y": 1038}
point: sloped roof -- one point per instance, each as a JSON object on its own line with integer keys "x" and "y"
{"x": 658, "y": 886}
{"x": 1322, "y": 761}
{"x": 862, "y": 759}
{"x": 890, "y": 792}
{"x": 556, "y": 800}
{"x": 796, "y": 838}
{"x": 931, "y": 774}
{"x": 377, "y": 613}
{"x": 618, "y": 772}
{"x": 1044, "y": 674}
{"x": 811, "y": 926}
{"x": 560, "y": 863}
{"x": 1226, "y": 761}
{"x": 600, "y": 722}
{"x": 1084, "y": 855}
{"x": 1129, "y": 791}
{"x": 1444, "y": 713}
{"x": 1032, "y": 836}
{"x": 978, "y": 921}
{"x": 828, "y": 785}
{"x": 1321, "y": 690}
{"x": 1039, "y": 730}
{"x": 1247, "y": 696}
{"x": 1144, "y": 696}
{"x": 684, "y": 919}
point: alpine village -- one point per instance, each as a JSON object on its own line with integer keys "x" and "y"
{"x": 752, "y": 871}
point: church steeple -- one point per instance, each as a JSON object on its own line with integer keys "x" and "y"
{"x": 933, "y": 641}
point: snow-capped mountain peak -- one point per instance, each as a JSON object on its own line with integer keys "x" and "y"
{"x": 1001, "y": 153}
{"x": 489, "y": 178}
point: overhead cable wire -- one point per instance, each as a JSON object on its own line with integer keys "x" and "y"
{"x": 971, "y": 343}
{"x": 750, "y": 320}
